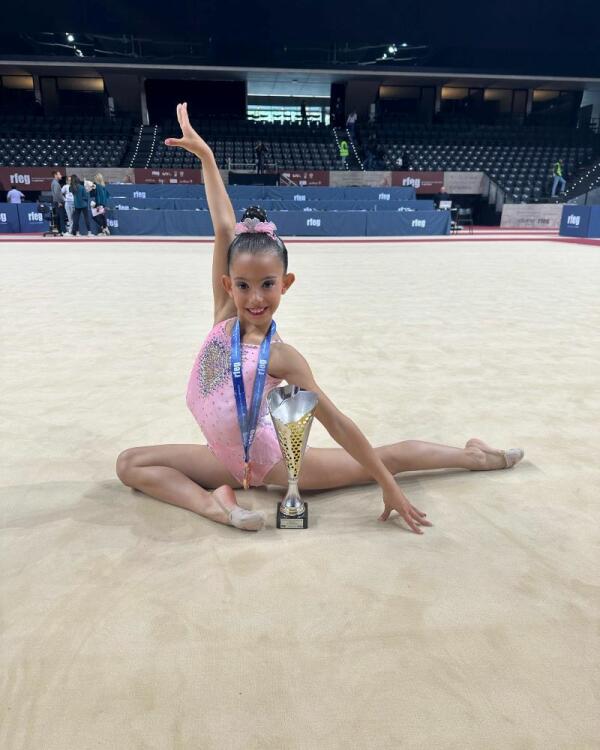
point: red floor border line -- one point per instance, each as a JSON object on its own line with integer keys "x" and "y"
{"x": 578, "y": 240}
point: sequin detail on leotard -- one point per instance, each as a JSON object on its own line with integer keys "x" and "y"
{"x": 211, "y": 400}
{"x": 214, "y": 366}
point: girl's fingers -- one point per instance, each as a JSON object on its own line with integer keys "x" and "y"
{"x": 173, "y": 141}
{"x": 411, "y": 523}
{"x": 184, "y": 115}
{"x": 419, "y": 517}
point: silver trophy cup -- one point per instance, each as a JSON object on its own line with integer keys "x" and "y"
{"x": 292, "y": 410}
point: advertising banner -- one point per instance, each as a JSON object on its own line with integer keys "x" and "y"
{"x": 423, "y": 182}
{"x": 168, "y": 176}
{"x": 306, "y": 179}
{"x": 27, "y": 178}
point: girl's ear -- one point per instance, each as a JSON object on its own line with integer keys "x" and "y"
{"x": 288, "y": 280}
{"x": 227, "y": 285}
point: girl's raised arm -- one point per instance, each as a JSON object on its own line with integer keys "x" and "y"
{"x": 221, "y": 210}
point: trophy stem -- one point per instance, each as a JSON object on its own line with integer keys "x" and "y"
{"x": 292, "y": 504}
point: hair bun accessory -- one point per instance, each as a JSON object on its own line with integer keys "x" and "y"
{"x": 255, "y": 226}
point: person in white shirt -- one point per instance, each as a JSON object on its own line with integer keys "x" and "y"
{"x": 351, "y": 124}
{"x": 14, "y": 195}
{"x": 69, "y": 205}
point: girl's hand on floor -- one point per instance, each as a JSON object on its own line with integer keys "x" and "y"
{"x": 190, "y": 140}
{"x": 396, "y": 500}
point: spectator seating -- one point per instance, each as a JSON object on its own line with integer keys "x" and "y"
{"x": 520, "y": 158}
{"x": 289, "y": 145}
{"x": 30, "y": 140}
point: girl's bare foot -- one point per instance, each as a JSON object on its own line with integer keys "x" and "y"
{"x": 492, "y": 458}
{"x": 226, "y": 510}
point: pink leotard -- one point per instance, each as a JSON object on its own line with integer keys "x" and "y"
{"x": 211, "y": 400}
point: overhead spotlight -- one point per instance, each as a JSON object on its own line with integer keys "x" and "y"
{"x": 78, "y": 52}
{"x": 70, "y": 37}
{"x": 404, "y": 44}
{"x": 392, "y": 49}
{"x": 384, "y": 56}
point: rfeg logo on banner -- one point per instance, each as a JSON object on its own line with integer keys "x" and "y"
{"x": 3, "y": 218}
{"x": 573, "y": 219}
{"x": 412, "y": 182}
{"x": 422, "y": 182}
{"x": 34, "y": 217}
{"x": 20, "y": 179}
{"x": 35, "y": 178}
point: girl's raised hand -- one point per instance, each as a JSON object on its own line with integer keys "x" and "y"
{"x": 190, "y": 140}
{"x": 396, "y": 500}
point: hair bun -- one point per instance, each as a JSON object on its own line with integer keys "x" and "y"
{"x": 255, "y": 212}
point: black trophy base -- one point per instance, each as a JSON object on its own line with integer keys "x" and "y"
{"x": 292, "y": 522}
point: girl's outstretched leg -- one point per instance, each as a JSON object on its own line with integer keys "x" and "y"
{"x": 328, "y": 468}
{"x": 178, "y": 474}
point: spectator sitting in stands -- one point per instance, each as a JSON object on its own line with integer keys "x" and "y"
{"x": 14, "y": 195}
{"x": 406, "y": 160}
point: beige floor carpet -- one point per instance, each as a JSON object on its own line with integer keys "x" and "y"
{"x": 130, "y": 624}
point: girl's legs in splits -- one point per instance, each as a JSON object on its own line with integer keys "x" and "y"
{"x": 328, "y": 468}
{"x": 179, "y": 474}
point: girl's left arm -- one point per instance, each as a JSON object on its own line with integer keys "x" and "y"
{"x": 288, "y": 364}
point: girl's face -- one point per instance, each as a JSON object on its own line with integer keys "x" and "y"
{"x": 256, "y": 283}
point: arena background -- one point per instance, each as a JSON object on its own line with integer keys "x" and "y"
{"x": 128, "y": 623}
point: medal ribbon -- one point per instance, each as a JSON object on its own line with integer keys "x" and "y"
{"x": 248, "y": 422}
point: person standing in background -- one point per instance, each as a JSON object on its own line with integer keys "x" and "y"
{"x": 303, "y": 117}
{"x": 351, "y": 124}
{"x": 99, "y": 195}
{"x": 14, "y": 195}
{"x": 260, "y": 157}
{"x": 68, "y": 196}
{"x": 58, "y": 201}
{"x": 344, "y": 153}
{"x": 558, "y": 177}
{"x": 81, "y": 201}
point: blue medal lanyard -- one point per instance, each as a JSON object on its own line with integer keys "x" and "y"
{"x": 248, "y": 422}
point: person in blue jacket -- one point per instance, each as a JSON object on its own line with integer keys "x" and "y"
{"x": 99, "y": 198}
{"x": 81, "y": 202}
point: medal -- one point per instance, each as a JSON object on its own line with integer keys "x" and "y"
{"x": 248, "y": 421}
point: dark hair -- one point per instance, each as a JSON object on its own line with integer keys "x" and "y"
{"x": 257, "y": 242}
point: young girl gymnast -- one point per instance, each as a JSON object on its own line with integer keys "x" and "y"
{"x": 240, "y": 361}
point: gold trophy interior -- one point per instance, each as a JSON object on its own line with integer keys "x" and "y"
{"x": 292, "y": 410}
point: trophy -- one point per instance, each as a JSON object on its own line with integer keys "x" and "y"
{"x": 292, "y": 410}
